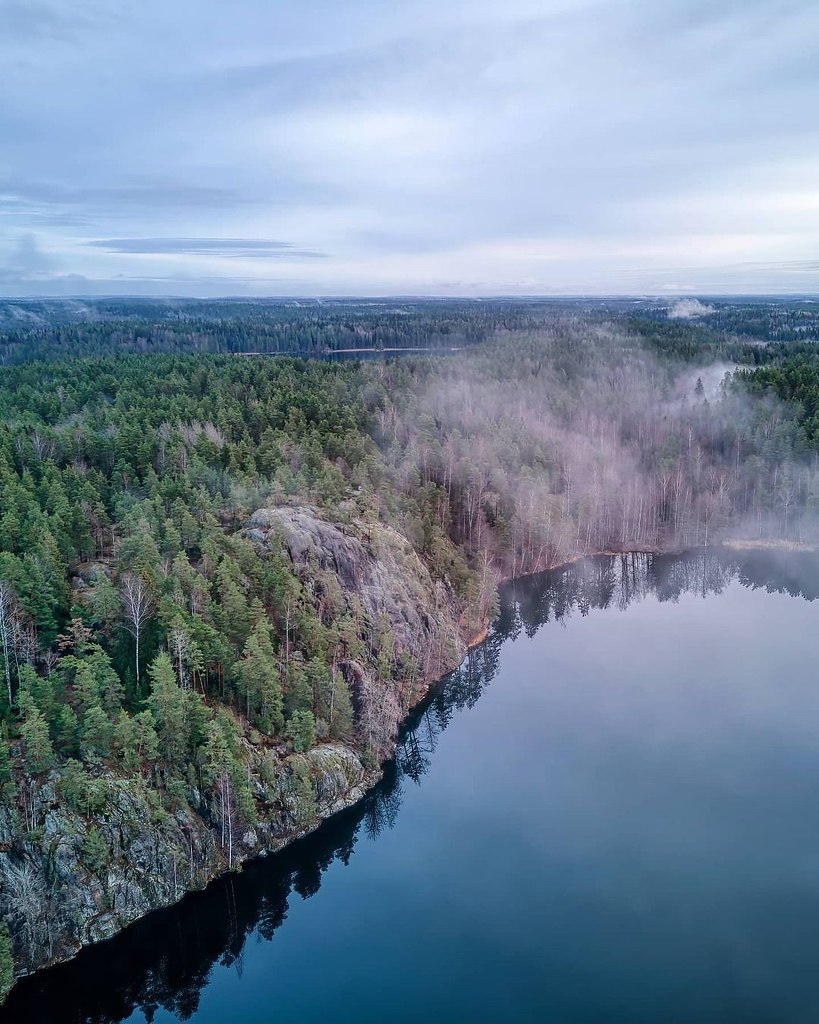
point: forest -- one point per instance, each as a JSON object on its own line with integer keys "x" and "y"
{"x": 54, "y": 329}
{"x": 147, "y": 641}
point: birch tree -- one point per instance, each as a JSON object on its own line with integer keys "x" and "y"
{"x": 137, "y": 605}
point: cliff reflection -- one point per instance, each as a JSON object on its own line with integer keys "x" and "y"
{"x": 166, "y": 960}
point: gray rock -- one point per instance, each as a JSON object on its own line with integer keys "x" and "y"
{"x": 55, "y": 901}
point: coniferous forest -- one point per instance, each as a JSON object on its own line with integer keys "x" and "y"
{"x": 199, "y": 538}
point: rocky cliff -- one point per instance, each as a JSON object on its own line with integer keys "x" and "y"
{"x": 72, "y": 876}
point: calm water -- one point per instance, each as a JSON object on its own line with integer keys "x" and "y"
{"x": 610, "y": 813}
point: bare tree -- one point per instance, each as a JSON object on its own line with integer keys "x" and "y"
{"x": 9, "y": 628}
{"x": 137, "y": 605}
{"x": 24, "y": 902}
{"x": 179, "y": 649}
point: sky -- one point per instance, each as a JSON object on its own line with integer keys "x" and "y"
{"x": 412, "y": 147}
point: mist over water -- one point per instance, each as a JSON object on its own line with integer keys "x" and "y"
{"x": 608, "y": 813}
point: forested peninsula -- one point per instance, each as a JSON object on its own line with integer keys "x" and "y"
{"x": 227, "y": 576}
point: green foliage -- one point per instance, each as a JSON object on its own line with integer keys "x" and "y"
{"x": 81, "y": 790}
{"x": 39, "y": 753}
{"x": 7, "y": 787}
{"x": 223, "y": 769}
{"x": 301, "y": 791}
{"x": 299, "y": 696}
{"x": 33, "y": 690}
{"x": 258, "y": 673}
{"x": 339, "y": 708}
{"x": 301, "y": 729}
{"x": 95, "y": 680}
{"x": 6, "y": 962}
{"x": 135, "y": 740}
{"x": 96, "y": 733}
{"x": 168, "y": 706}
{"x": 95, "y": 851}
{"x": 104, "y": 604}
{"x": 67, "y": 731}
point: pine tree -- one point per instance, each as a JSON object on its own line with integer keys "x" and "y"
{"x": 233, "y": 616}
{"x": 259, "y": 675}
{"x": 67, "y": 730}
{"x": 82, "y": 791}
{"x": 299, "y": 696}
{"x": 96, "y": 732}
{"x": 302, "y": 803}
{"x": 168, "y": 707}
{"x": 301, "y": 729}
{"x": 39, "y": 753}
{"x": 135, "y": 740}
{"x": 40, "y": 689}
{"x": 96, "y": 851}
{"x": 105, "y": 604}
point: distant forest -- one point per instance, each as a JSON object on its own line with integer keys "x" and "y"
{"x": 33, "y": 330}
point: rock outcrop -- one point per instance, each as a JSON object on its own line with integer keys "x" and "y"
{"x": 377, "y": 566}
{"x": 59, "y": 892}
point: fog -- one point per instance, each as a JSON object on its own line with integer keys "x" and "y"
{"x": 578, "y": 439}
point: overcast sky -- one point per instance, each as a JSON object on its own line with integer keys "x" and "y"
{"x": 203, "y": 147}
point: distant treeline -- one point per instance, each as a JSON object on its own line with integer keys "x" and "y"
{"x": 47, "y": 330}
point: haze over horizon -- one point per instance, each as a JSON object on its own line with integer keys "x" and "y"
{"x": 556, "y": 147}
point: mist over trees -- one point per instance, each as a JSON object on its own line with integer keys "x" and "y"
{"x": 581, "y": 439}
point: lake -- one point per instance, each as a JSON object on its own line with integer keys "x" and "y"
{"x": 610, "y": 813}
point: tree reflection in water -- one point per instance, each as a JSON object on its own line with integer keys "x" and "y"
{"x": 166, "y": 959}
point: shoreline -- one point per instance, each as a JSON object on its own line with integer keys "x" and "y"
{"x": 373, "y": 776}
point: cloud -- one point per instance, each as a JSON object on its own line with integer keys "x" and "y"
{"x": 255, "y": 248}
{"x": 141, "y": 194}
{"x": 542, "y": 145}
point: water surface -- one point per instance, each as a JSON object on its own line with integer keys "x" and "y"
{"x": 610, "y": 813}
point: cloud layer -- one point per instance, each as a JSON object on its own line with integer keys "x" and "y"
{"x": 238, "y": 248}
{"x": 538, "y": 146}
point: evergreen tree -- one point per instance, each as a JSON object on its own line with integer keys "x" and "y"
{"x": 135, "y": 740}
{"x": 6, "y": 962}
{"x": 67, "y": 730}
{"x": 96, "y": 851}
{"x": 104, "y": 604}
{"x": 299, "y": 695}
{"x": 301, "y": 729}
{"x": 302, "y": 803}
{"x": 168, "y": 707}
{"x": 96, "y": 732}
{"x": 6, "y": 777}
{"x": 259, "y": 677}
{"x": 39, "y": 690}
{"x": 39, "y": 753}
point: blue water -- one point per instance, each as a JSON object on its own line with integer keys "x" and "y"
{"x": 610, "y": 813}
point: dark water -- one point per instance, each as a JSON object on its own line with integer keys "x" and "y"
{"x": 609, "y": 814}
